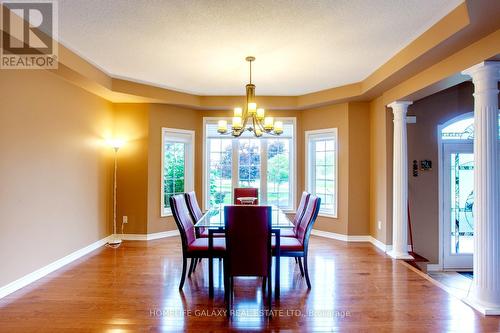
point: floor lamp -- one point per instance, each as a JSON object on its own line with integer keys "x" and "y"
{"x": 116, "y": 145}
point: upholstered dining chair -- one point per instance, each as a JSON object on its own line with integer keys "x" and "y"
{"x": 298, "y": 246}
{"x": 197, "y": 214}
{"x": 248, "y": 244}
{"x": 246, "y": 192}
{"x": 292, "y": 232}
{"x": 192, "y": 248}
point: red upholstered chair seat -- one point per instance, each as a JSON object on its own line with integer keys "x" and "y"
{"x": 288, "y": 244}
{"x": 201, "y": 244}
{"x": 287, "y": 232}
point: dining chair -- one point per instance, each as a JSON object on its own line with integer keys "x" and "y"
{"x": 246, "y": 192}
{"x": 192, "y": 248}
{"x": 248, "y": 247}
{"x": 298, "y": 246}
{"x": 292, "y": 232}
{"x": 197, "y": 214}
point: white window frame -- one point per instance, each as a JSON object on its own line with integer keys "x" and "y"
{"x": 310, "y": 138}
{"x": 184, "y": 136}
{"x": 235, "y": 164}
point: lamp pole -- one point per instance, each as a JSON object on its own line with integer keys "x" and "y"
{"x": 115, "y": 241}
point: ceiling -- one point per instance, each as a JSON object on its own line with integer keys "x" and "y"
{"x": 200, "y": 46}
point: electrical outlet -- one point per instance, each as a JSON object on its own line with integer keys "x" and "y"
{"x": 125, "y": 219}
{"x": 379, "y": 225}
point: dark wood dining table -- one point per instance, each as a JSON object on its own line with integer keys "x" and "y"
{"x": 213, "y": 220}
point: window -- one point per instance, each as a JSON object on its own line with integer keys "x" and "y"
{"x": 220, "y": 174}
{"x": 278, "y": 172}
{"x": 462, "y": 129}
{"x": 265, "y": 163}
{"x": 321, "y": 168}
{"x": 249, "y": 162}
{"x": 177, "y": 165}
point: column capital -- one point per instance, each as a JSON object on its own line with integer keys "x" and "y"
{"x": 485, "y": 67}
{"x": 399, "y": 109}
{"x": 400, "y": 105}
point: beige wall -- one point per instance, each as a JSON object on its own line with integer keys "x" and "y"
{"x": 380, "y": 171}
{"x": 132, "y": 125}
{"x": 55, "y": 172}
{"x": 359, "y": 169}
{"x": 172, "y": 117}
{"x": 334, "y": 116}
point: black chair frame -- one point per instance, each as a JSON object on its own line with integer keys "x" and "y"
{"x": 300, "y": 254}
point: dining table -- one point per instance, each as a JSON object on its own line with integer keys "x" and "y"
{"x": 214, "y": 221}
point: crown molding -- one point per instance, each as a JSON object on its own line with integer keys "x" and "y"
{"x": 468, "y": 35}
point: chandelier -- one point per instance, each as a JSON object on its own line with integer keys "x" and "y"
{"x": 251, "y": 119}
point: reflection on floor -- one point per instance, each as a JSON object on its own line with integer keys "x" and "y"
{"x": 455, "y": 283}
{"x": 355, "y": 288}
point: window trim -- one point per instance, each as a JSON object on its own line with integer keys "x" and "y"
{"x": 185, "y": 136}
{"x": 293, "y": 165}
{"x": 318, "y": 134}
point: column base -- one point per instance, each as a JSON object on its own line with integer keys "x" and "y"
{"x": 485, "y": 309}
{"x": 400, "y": 255}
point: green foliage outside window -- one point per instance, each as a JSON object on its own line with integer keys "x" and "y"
{"x": 174, "y": 170}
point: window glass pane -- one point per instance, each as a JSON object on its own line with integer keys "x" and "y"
{"x": 174, "y": 170}
{"x": 320, "y": 146}
{"x": 323, "y": 170}
{"x": 330, "y": 145}
{"x": 330, "y": 158}
{"x": 278, "y": 173}
{"x": 329, "y": 172}
{"x": 249, "y": 163}
{"x": 320, "y": 172}
{"x": 220, "y": 172}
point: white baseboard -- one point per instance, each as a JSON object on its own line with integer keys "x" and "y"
{"x": 360, "y": 238}
{"x": 39, "y": 273}
{"x": 163, "y": 234}
{"x": 328, "y": 234}
{"x": 355, "y": 238}
{"x": 146, "y": 237}
{"x": 379, "y": 244}
{"x": 486, "y": 310}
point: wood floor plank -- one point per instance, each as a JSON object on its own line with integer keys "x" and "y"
{"x": 356, "y": 288}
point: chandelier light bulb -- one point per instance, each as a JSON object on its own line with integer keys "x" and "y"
{"x": 278, "y": 127}
{"x": 222, "y": 126}
{"x": 238, "y": 112}
{"x": 252, "y": 108}
{"x": 260, "y": 113}
{"x": 268, "y": 123}
{"x": 237, "y": 123}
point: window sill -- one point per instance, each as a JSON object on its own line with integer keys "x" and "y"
{"x": 166, "y": 214}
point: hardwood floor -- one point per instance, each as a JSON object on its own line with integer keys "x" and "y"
{"x": 135, "y": 288}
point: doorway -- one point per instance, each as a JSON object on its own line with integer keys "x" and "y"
{"x": 457, "y": 195}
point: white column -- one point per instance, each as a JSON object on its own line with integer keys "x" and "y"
{"x": 485, "y": 293}
{"x": 400, "y": 183}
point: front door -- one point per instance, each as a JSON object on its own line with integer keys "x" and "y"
{"x": 458, "y": 205}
